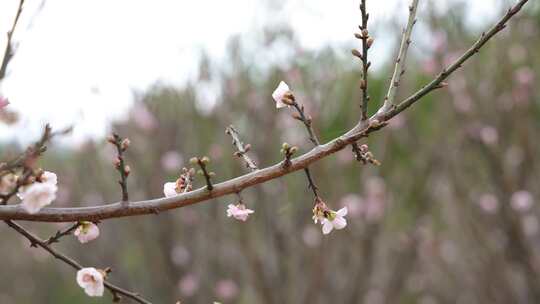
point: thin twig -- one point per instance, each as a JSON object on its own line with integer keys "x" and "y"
{"x": 311, "y": 183}
{"x": 121, "y": 145}
{"x": 61, "y": 233}
{"x": 203, "y": 162}
{"x": 37, "y": 242}
{"x": 399, "y": 69}
{"x": 438, "y": 82}
{"x": 241, "y": 147}
{"x": 307, "y": 121}
{"x": 8, "y": 51}
{"x": 364, "y": 36}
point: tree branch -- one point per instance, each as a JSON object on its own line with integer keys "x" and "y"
{"x": 242, "y": 149}
{"x": 37, "y": 242}
{"x": 8, "y": 51}
{"x": 399, "y": 69}
{"x": 438, "y": 81}
{"x": 362, "y": 129}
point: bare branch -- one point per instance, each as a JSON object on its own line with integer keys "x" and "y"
{"x": 8, "y": 51}
{"x": 121, "y": 145}
{"x": 61, "y": 233}
{"x": 203, "y": 162}
{"x": 438, "y": 82}
{"x": 399, "y": 69}
{"x": 367, "y": 41}
{"x": 242, "y": 149}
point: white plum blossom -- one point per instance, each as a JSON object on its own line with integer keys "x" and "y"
{"x": 46, "y": 177}
{"x": 335, "y": 220}
{"x": 86, "y": 232}
{"x": 169, "y": 189}
{"x": 279, "y": 93}
{"x": 239, "y": 212}
{"x": 38, "y": 195}
{"x": 91, "y": 280}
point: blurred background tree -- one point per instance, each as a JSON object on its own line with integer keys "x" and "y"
{"x": 449, "y": 217}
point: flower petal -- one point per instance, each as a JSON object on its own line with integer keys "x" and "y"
{"x": 169, "y": 189}
{"x": 342, "y": 212}
{"x": 327, "y": 226}
{"x": 339, "y": 222}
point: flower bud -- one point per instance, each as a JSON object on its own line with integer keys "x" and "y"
{"x": 370, "y": 41}
{"x": 127, "y": 170}
{"x": 205, "y": 160}
{"x": 111, "y": 139}
{"x": 365, "y": 33}
{"x": 194, "y": 160}
{"x": 125, "y": 144}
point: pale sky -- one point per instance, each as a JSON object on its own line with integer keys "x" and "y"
{"x": 78, "y": 61}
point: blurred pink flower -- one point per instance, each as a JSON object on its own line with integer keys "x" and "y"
{"x": 397, "y": 122}
{"x": 429, "y": 66}
{"x": 354, "y": 204}
{"x": 226, "y": 289}
{"x": 488, "y": 203}
{"x": 439, "y": 41}
{"x": 3, "y": 102}
{"x": 524, "y": 76}
{"x": 86, "y": 232}
{"x": 451, "y": 57}
{"x": 345, "y": 156}
{"x": 375, "y": 199}
{"x": 279, "y": 94}
{"x": 216, "y": 151}
{"x": 239, "y": 212}
{"x": 171, "y": 161}
{"x": 489, "y": 135}
{"x": 311, "y": 236}
{"x": 180, "y": 255}
{"x": 188, "y": 284}
{"x": 143, "y": 118}
{"x": 521, "y": 201}
{"x": 462, "y": 103}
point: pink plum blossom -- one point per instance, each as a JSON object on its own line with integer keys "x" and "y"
{"x": 171, "y": 161}
{"x": 188, "y": 284}
{"x": 489, "y": 135}
{"x": 91, "y": 280}
{"x": 279, "y": 93}
{"x": 86, "y": 232}
{"x": 488, "y": 203}
{"x": 239, "y": 212}
{"x": 226, "y": 289}
{"x": 521, "y": 201}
